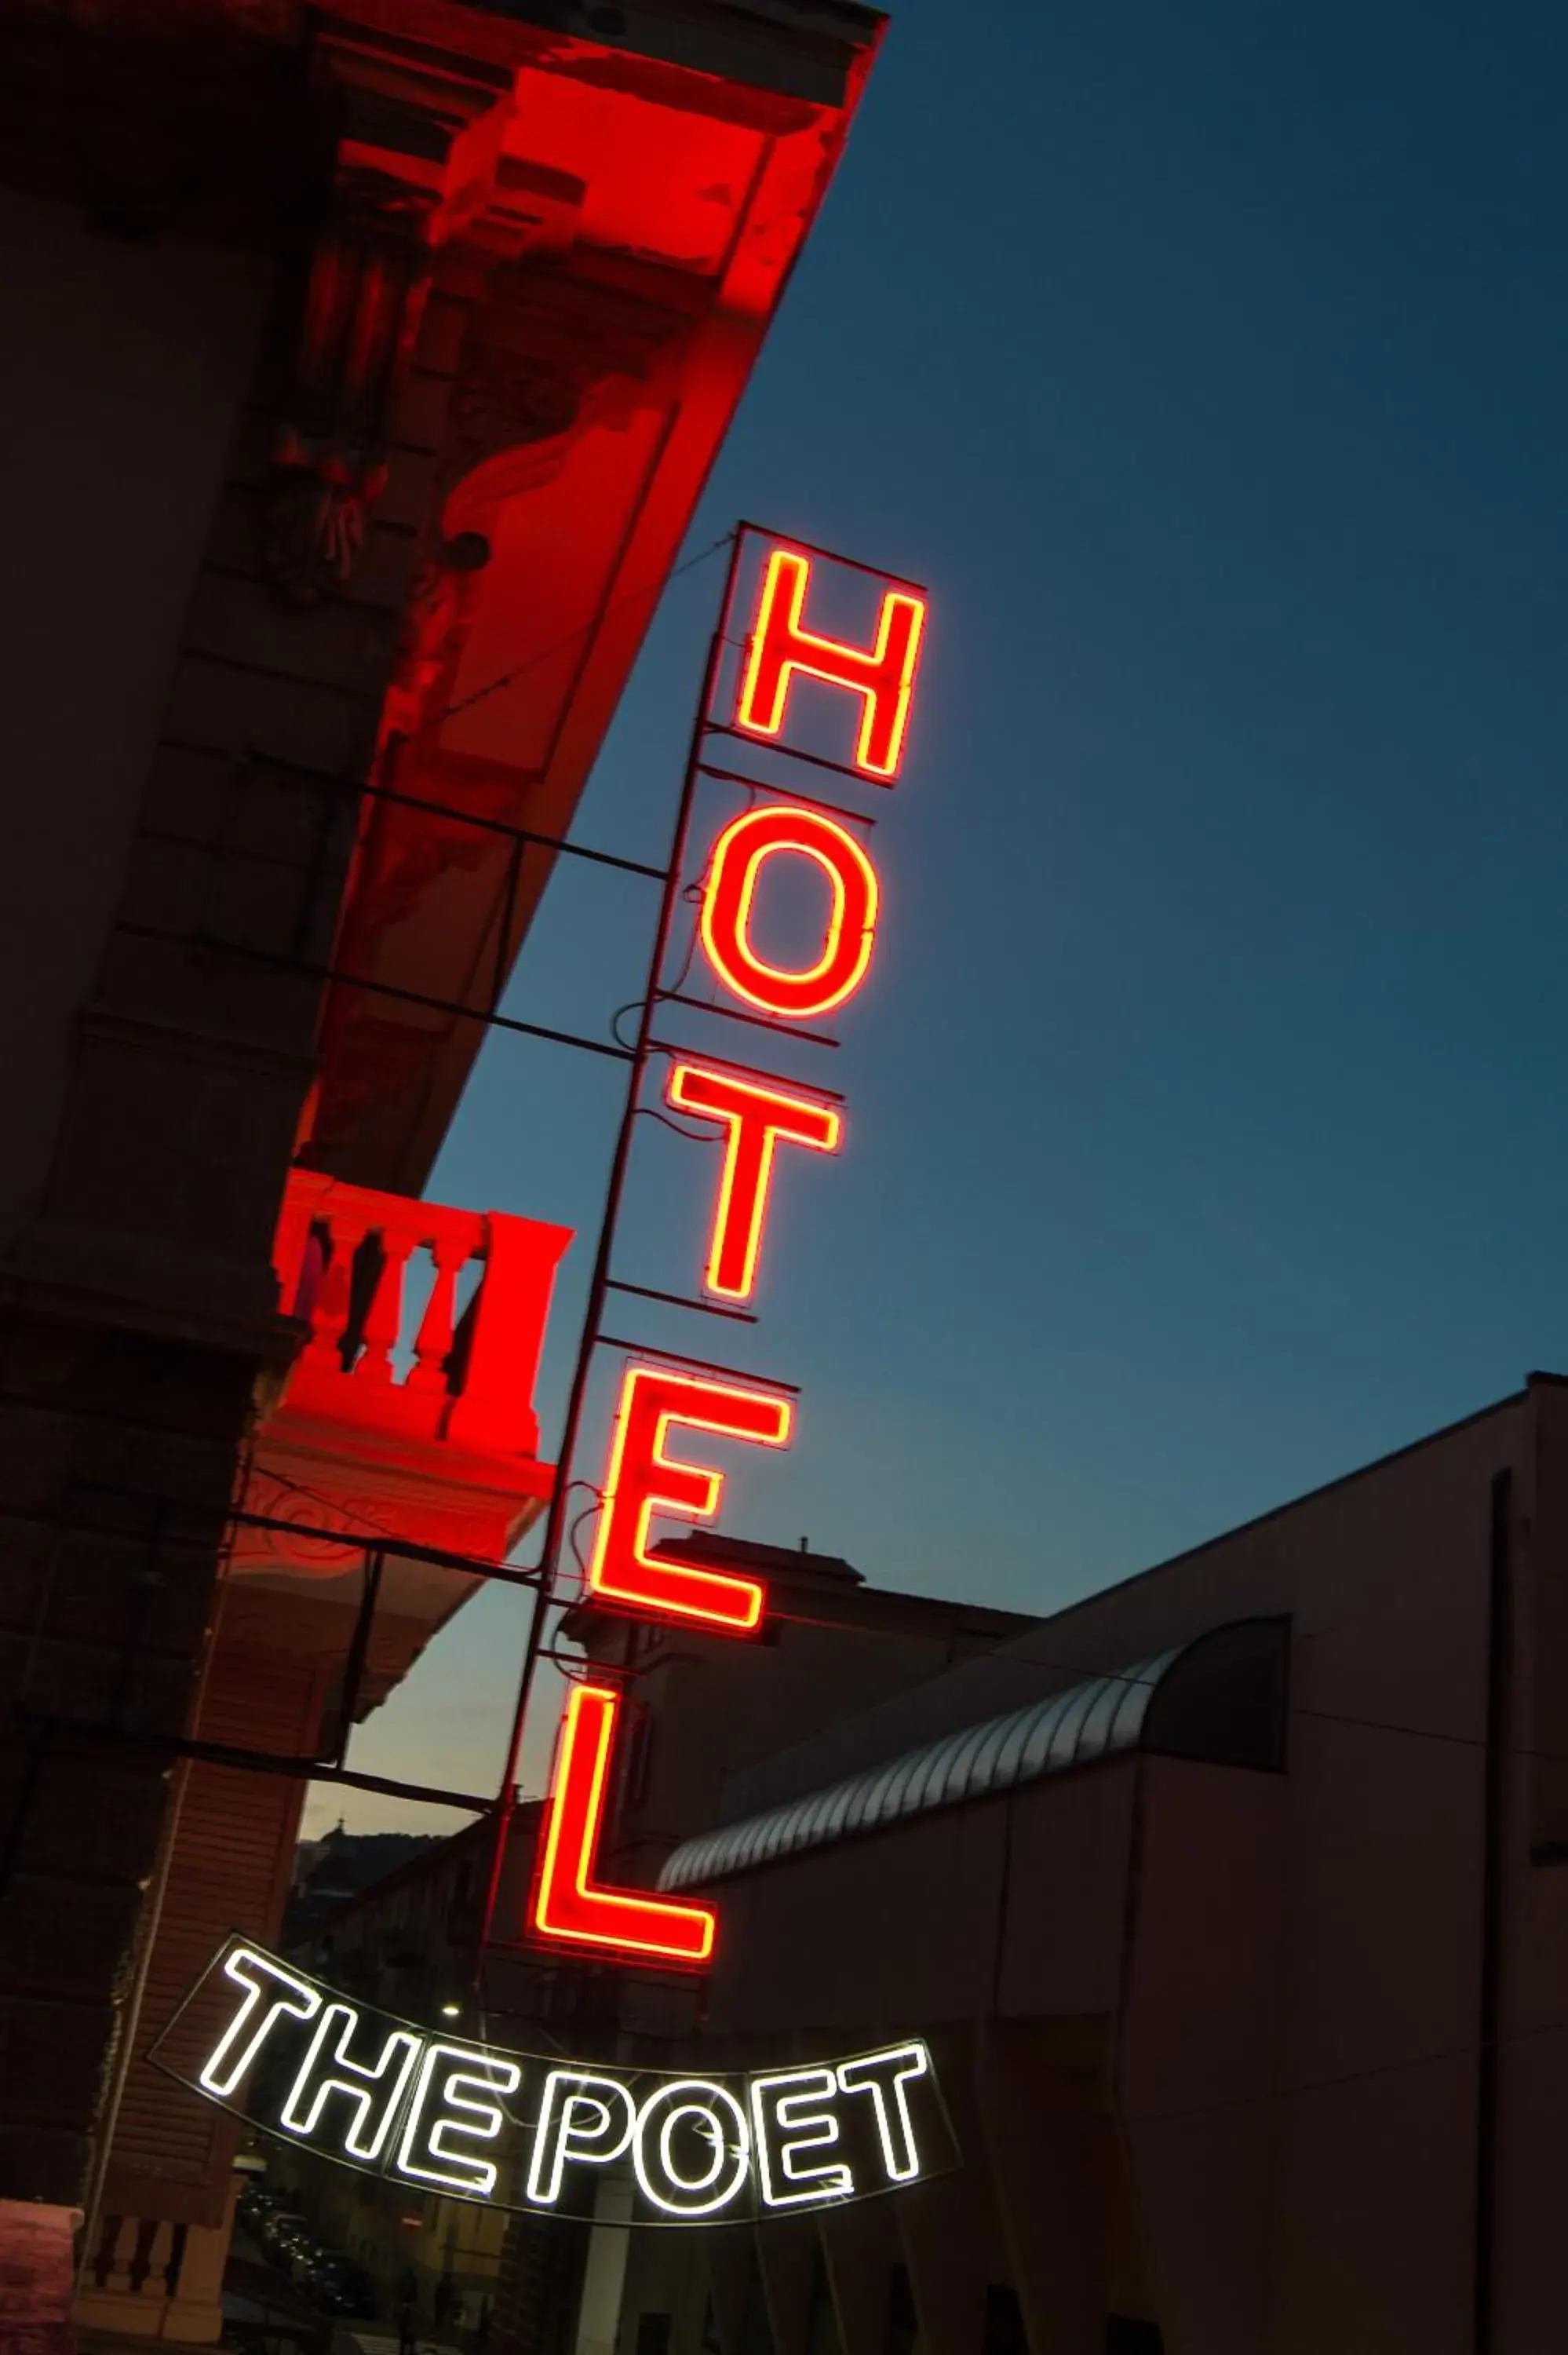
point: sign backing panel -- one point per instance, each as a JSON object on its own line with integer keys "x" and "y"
{"x": 536, "y": 2132}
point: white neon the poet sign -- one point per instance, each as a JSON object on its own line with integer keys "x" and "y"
{"x": 536, "y": 2133}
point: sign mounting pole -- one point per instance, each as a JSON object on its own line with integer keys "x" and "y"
{"x": 600, "y": 1281}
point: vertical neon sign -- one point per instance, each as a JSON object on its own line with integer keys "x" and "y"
{"x": 654, "y": 1470}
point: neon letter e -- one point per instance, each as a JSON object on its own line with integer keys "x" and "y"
{"x": 642, "y": 1481}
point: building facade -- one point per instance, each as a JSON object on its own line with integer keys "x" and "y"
{"x": 1232, "y": 1902}
{"x": 364, "y": 367}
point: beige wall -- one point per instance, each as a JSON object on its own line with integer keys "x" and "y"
{"x": 717, "y": 1709}
{"x": 1275, "y": 1979}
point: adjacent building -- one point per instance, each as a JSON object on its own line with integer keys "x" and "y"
{"x": 1233, "y": 1902}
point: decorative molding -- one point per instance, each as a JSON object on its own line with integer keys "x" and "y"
{"x": 538, "y": 370}
{"x": 369, "y": 278}
{"x": 417, "y": 150}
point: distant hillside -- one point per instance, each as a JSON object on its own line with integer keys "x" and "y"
{"x": 328, "y": 1871}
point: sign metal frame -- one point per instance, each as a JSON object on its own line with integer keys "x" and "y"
{"x": 777, "y": 821}
{"x": 536, "y": 2133}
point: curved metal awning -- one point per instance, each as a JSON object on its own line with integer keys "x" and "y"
{"x": 1221, "y": 1696}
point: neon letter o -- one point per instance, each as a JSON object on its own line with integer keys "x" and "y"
{"x": 739, "y": 856}
{"x": 719, "y": 2119}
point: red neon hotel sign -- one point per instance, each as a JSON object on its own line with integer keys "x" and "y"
{"x": 655, "y": 1471}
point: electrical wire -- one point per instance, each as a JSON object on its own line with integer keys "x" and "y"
{"x": 633, "y": 1005}
{"x": 692, "y": 1135}
{"x": 374, "y": 1529}
{"x": 691, "y": 893}
{"x": 586, "y": 1515}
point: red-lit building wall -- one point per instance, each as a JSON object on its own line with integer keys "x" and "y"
{"x": 256, "y": 563}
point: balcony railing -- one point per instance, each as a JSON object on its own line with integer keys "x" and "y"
{"x": 465, "y": 1377}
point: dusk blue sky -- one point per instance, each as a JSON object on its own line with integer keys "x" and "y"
{"x": 1208, "y": 1129}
